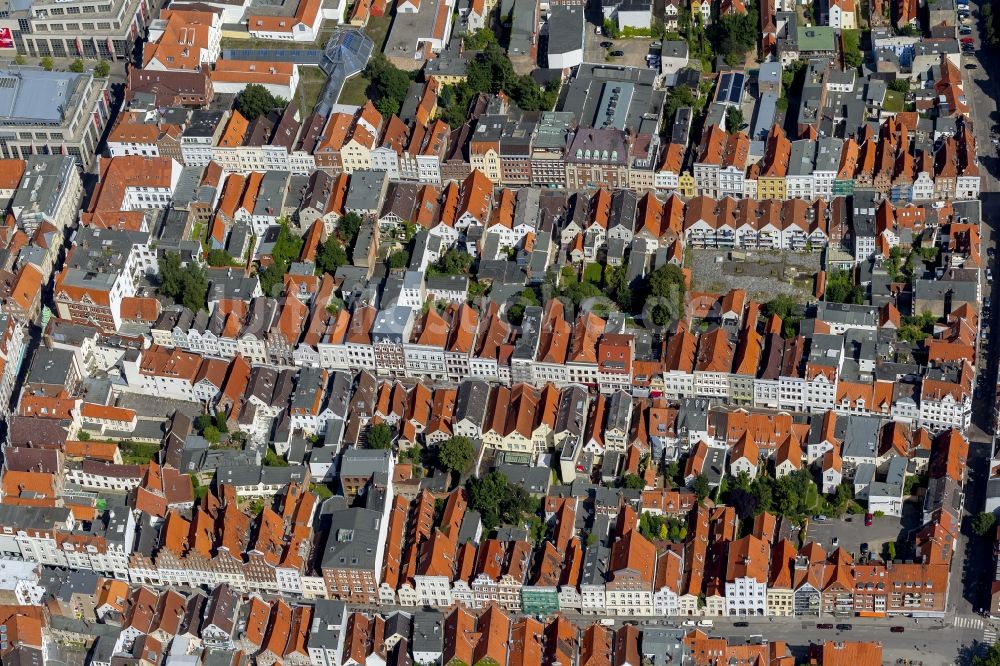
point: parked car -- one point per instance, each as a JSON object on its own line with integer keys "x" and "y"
{"x": 991, "y": 252}
{"x": 897, "y": 629}
{"x": 864, "y": 547}
{"x": 706, "y": 623}
{"x": 741, "y": 624}
{"x": 869, "y": 518}
{"x": 989, "y": 275}
{"x": 967, "y": 40}
{"x": 617, "y": 54}
{"x": 824, "y": 625}
{"x": 845, "y": 627}
{"x": 835, "y": 542}
{"x": 607, "y": 45}
{"x": 965, "y": 30}
{"x": 689, "y": 623}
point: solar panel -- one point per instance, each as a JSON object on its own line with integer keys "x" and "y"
{"x": 736, "y": 88}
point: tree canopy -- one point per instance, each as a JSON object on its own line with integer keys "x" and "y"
{"x": 455, "y": 454}
{"x": 256, "y": 101}
{"x": 984, "y": 523}
{"x": 498, "y": 501}
{"x": 840, "y": 288}
{"x": 734, "y": 119}
{"x": 452, "y": 262}
{"x": 187, "y": 285}
{"x": 399, "y": 259}
{"x": 287, "y": 248}
{"x": 348, "y": 228}
{"x": 666, "y": 285}
{"x": 389, "y": 84}
{"x": 632, "y": 482}
{"x": 330, "y": 256}
{"x": 491, "y": 71}
{"x": 788, "y": 310}
{"x": 851, "y": 41}
{"x": 735, "y": 34}
{"x": 380, "y": 436}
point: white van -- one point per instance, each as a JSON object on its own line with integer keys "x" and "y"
{"x": 706, "y": 623}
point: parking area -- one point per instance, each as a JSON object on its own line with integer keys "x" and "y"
{"x": 634, "y": 50}
{"x": 850, "y": 531}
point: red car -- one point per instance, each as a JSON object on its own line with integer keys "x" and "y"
{"x": 868, "y": 519}
{"x": 966, "y": 40}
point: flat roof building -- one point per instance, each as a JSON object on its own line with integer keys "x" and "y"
{"x": 51, "y": 113}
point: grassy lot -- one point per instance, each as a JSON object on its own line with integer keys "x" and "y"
{"x": 355, "y": 91}
{"x": 311, "y": 82}
{"x": 378, "y": 29}
{"x": 592, "y": 273}
{"x": 893, "y": 101}
{"x": 138, "y": 453}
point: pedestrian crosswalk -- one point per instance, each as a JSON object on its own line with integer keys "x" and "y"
{"x": 968, "y": 622}
{"x": 990, "y": 636}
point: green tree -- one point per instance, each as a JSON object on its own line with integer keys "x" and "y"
{"x": 380, "y": 436}
{"x": 666, "y": 286}
{"x": 216, "y": 257}
{"x": 212, "y": 434}
{"x": 890, "y": 550}
{"x": 617, "y": 287}
{"x": 47, "y": 63}
{"x": 479, "y": 40}
{"x": 102, "y": 69}
{"x": 348, "y": 228}
{"x": 734, "y": 35}
{"x": 851, "y": 43}
{"x": 220, "y": 422}
{"x": 330, "y": 256}
{"x": 19, "y": 59}
{"x": 498, "y": 501}
{"x": 202, "y": 422}
{"x": 188, "y": 285}
{"x": 526, "y": 298}
{"x": 984, "y": 523}
{"x": 389, "y": 84}
{"x": 76, "y": 66}
{"x": 787, "y": 309}
{"x": 286, "y": 249}
{"x": 399, "y": 259}
{"x": 255, "y": 101}
{"x": 734, "y": 119}
{"x": 272, "y": 459}
{"x": 633, "y": 482}
{"x": 900, "y": 85}
{"x": 700, "y": 487}
{"x": 492, "y": 72}
{"x": 840, "y": 288}
{"x": 455, "y": 454}
{"x": 992, "y": 655}
{"x": 679, "y": 96}
{"x": 452, "y": 262}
